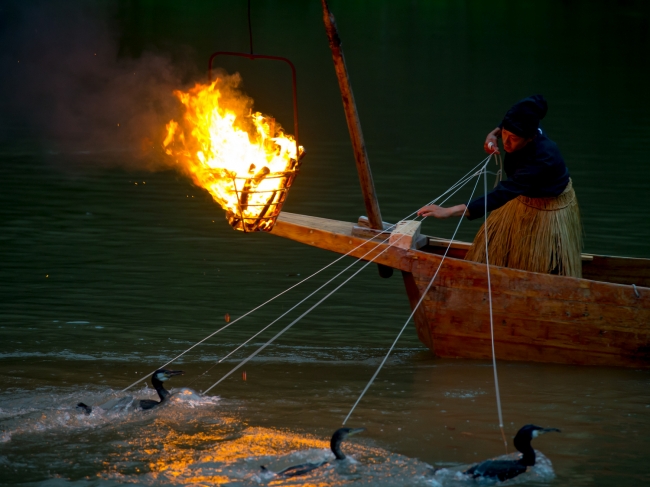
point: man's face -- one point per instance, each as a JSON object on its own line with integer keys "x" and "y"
{"x": 512, "y": 142}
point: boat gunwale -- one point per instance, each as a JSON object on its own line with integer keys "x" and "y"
{"x": 344, "y": 229}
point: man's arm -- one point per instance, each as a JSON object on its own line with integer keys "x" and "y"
{"x": 442, "y": 213}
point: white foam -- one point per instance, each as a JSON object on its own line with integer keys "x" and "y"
{"x": 190, "y": 398}
{"x": 542, "y": 471}
{"x": 464, "y": 394}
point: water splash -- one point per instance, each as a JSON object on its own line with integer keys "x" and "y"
{"x": 542, "y": 471}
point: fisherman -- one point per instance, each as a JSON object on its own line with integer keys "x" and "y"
{"x": 534, "y": 224}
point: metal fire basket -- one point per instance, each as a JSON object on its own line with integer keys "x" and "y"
{"x": 269, "y": 209}
{"x": 247, "y": 188}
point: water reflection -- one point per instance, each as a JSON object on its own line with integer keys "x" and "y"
{"x": 219, "y": 456}
{"x": 137, "y": 273}
{"x": 196, "y": 440}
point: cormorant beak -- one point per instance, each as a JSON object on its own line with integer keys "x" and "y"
{"x": 356, "y": 430}
{"x": 172, "y": 373}
{"x": 546, "y": 430}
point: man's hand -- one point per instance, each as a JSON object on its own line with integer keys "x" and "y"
{"x": 491, "y": 145}
{"x": 442, "y": 213}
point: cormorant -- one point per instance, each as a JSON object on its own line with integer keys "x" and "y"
{"x": 157, "y": 379}
{"x": 507, "y": 469}
{"x": 335, "y": 445}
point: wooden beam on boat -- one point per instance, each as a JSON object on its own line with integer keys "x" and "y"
{"x": 406, "y": 235}
{"x": 337, "y": 236}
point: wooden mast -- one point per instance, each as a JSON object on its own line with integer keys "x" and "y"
{"x": 352, "y": 117}
{"x": 354, "y": 126}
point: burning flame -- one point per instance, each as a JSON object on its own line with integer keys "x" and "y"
{"x": 243, "y": 158}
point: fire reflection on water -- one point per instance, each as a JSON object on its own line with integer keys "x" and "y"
{"x": 178, "y": 455}
{"x": 171, "y": 451}
{"x": 195, "y": 454}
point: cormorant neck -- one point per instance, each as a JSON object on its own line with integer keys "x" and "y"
{"x": 335, "y": 445}
{"x": 528, "y": 460}
{"x": 523, "y": 445}
{"x": 160, "y": 389}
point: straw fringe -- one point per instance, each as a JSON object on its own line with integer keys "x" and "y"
{"x": 534, "y": 234}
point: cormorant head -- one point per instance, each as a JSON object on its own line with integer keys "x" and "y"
{"x": 163, "y": 374}
{"x": 340, "y": 435}
{"x": 525, "y": 435}
{"x": 343, "y": 433}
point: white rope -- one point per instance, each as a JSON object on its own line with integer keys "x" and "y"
{"x": 461, "y": 182}
{"x": 300, "y": 317}
{"x": 258, "y": 307}
{"x": 372, "y": 379}
{"x": 295, "y": 306}
{"x": 456, "y": 186}
{"x": 489, "y": 284}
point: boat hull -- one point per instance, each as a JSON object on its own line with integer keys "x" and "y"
{"x": 537, "y": 317}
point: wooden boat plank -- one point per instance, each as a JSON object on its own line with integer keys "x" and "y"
{"x": 463, "y": 247}
{"x": 532, "y": 332}
{"x": 527, "y": 350}
{"x": 461, "y": 313}
{"x": 336, "y": 236}
{"x": 538, "y": 317}
{"x": 469, "y": 275}
{"x": 478, "y": 348}
{"x": 619, "y": 270}
{"x": 623, "y": 270}
{"x": 530, "y": 329}
{"x": 314, "y": 222}
{"x": 420, "y": 317}
{"x": 588, "y": 308}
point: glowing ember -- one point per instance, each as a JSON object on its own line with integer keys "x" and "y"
{"x": 243, "y": 158}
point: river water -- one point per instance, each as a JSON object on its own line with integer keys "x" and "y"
{"x": 109, "y": 268}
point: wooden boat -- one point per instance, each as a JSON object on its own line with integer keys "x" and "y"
{"x": 601, "y": 319}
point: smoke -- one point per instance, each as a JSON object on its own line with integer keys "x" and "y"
{"x": 66, "y": 83}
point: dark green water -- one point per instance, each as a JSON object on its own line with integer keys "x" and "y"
{"x": 103, "y": 279}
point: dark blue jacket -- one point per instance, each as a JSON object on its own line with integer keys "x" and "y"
{"x": 536, "y": 171}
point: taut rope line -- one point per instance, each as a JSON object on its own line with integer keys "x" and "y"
{"x": 489, "y": 285}
{"x": 457, "y": 188}
{"x": 461, "y": 182}
{"x": 296, "y": 320}
{"x": 372, "y": 379}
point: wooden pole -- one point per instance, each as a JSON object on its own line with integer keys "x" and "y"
{"x": 352, "y": 117}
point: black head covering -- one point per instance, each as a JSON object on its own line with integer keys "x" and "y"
{"x": 523, "y": 117}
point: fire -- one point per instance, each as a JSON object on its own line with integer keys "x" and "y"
{"x": 242, "y": 158}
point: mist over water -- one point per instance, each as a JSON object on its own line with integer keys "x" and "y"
{"x": 68, "y": 84}
{"x": 110, "y": 263}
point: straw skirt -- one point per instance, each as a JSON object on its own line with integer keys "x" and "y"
{"x": 534, "y": 234}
